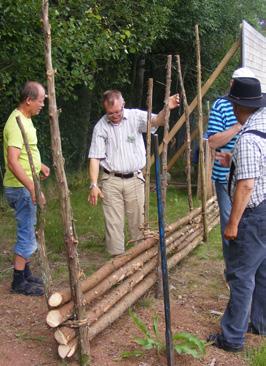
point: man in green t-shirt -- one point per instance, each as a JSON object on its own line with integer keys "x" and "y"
{"x": 19, "y": 186}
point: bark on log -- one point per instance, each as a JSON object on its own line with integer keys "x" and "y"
{"x": 64, "y": 334}
{"x": 58, "y": 316}
{"x": 63, "y": 296}
{"x": 121, "y": 307}
{"x": 110, "y": 267}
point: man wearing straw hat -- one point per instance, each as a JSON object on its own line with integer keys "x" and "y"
{"x": 118, "y": 148}
{"x": 222, "y": 132}
{"x": 246, "y": 228}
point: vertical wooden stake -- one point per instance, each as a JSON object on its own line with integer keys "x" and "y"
{"x": 162, "y": 253}
{"x": 148, "y": 157}
{"x": 166, "y": 129}
{"x": 200, "y": 127}
{"x": 70, "y": 236}
{"x": 188, "y": 150}
{"x": 45, "y": 269}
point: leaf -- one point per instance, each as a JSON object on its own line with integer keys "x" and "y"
{"x": 135, "y": 353}
{"x": 189, "y": 344}
{"x": 155, "y": 326}
{"x": 187, "y": 350}
{"x": 147, "y": 343}
{"x": 139, "y": 323}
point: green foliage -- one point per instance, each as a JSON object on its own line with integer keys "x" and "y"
{"x": 188, "y": 344}
{"x": 149, "y": 341}
{"x": 184, "y": 343}
{"x": 257, "y": 357}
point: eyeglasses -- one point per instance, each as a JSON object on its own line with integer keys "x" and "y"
{"x": 114, "y": 114}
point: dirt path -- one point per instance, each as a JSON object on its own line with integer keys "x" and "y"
{"x": 198, "y": 294}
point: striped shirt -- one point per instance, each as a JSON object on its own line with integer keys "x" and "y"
{"x": 249, "y": 157}
{"x": 120, "y": 147}
{"x": 221, "y": 119}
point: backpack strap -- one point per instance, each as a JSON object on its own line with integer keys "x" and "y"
{"x": 233, "y": 167}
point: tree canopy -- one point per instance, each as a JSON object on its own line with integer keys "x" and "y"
{"x": 105, "y": 44}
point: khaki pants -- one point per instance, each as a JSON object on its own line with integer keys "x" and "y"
{"x": 122, "y": 196}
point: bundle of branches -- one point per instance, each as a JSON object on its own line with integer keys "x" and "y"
{"x": 122, "y": 281}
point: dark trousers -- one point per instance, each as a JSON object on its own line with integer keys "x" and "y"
{"x": 246, "y": 276}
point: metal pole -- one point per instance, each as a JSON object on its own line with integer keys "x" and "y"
{"x": 166, "y": 298}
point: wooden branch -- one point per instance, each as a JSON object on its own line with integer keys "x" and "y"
{"x": 116, "y": 264}
{"x": 129, "y": 299}
{"x": 188, "y": 149}
{"x": 122, "y": 306}
{"x": 200, "y": 127}
{"x": 59, "y": 315}
{"x": 62, "y": 297}
{"x": 204, "y": 90}
{"x": 148, "y": 157}
{"x": 42, "y": 254}
{"x": 64, "y": 335}
{"x": 70, "y": 236}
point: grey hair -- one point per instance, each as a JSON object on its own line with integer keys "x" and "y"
{"x": 109, "y": 96}
{"x": 30, "y": 90}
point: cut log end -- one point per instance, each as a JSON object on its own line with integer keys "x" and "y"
{"x": 64, "y": 335}
{"x": 55, "y": 299}
{"x": 63, "y": 350}
{"x": 54, "y": 318}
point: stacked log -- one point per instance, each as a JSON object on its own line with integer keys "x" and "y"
{"x": 116, "y": 286}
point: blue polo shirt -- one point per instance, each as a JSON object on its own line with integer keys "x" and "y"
{"x": 221, "y": 118}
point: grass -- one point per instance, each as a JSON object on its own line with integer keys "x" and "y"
{"x": 257, "y": 357}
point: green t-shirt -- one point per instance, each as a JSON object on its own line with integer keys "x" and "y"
{"x": 13, "y": 137}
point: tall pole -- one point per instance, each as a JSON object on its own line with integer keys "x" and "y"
{"x": 188, "y": 136}
{"x": 148, "y": 157}
{"x": 201, "y": 148}
{"x": 166, "y": 128}
{"x": 166, "y": 297}
{"x": 70, "y": 236}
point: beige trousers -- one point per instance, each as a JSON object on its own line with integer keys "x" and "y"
{"x": 122, "y": 197}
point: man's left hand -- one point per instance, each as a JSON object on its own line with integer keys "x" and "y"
{"x": 174, "y": 101}
{"x": 45, "y": 170}
{"x": 230, "y": 232}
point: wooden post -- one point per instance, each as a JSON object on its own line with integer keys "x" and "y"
{"x": 45, "y": 269}
{"x": 70, "y": 237}
{"x": 148, "y": 157}
{"x": 166, "y": 129}
{"x": 204, "y": 90}
{"x": 188, "y": 155}
{"x": 200, "y": 127}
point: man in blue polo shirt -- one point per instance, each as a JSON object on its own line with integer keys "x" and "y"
{"x": 222, "y": 132}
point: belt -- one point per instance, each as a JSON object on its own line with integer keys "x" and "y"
{"x": 119, "y": 175}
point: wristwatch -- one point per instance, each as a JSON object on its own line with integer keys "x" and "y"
{"x": 93, "y": 185}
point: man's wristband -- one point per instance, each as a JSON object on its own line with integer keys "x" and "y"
{"x": 92, "y": 185}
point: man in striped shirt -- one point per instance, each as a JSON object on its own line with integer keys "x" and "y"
{"x": 118, "y": 148}
{"x": 222, "y": 132}
{"x": 246, "y": 227}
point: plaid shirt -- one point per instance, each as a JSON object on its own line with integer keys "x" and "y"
{"x": 249, "y": 157}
